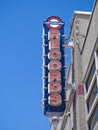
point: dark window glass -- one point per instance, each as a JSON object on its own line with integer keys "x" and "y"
{"x": 92, "y": 96}
{"x": 94, "y": 118}
{"x": 91, "y": 73}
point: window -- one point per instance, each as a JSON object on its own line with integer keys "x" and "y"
{"x": 94, "y": 118}
{"x": 90, "y": 76}
{"x": 92, "y": 95}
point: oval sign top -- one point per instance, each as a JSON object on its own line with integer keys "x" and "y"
{"x": 54, "y": 22}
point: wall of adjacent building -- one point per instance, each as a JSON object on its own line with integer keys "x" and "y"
{"x": 92, "y": 35}
{"x": 78, "y": 34}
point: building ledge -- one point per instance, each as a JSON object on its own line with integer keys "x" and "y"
{"x": 82, "y": 12}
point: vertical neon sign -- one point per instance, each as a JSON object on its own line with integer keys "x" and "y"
{"x": 53, "y": 67}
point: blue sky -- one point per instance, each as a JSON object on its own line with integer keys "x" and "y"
{"x": 21, "y": 58}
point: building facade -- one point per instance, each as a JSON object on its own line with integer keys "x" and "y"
{"x": 82, "y": 97}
